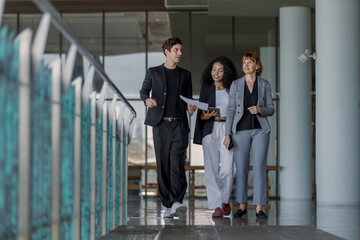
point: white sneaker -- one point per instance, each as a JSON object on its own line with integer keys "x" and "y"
{"x": 167, "y": 213}
{"x": 178, "y": 209}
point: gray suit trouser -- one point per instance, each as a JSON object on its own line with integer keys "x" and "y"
{"x": 256, "y": 141}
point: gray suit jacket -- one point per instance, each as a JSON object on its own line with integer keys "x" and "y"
{"x": 236, "y": 104}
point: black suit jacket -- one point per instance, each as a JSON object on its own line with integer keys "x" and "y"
{"x": 205, "y": 127}
{"x": 155, "y": 81}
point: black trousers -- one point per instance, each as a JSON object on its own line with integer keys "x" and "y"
{"x": 170, "y": 143}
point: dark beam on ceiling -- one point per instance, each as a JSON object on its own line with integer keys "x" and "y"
{"x": 81, "y": 6}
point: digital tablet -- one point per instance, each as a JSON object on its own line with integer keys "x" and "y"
{"x": 217, "y": 110}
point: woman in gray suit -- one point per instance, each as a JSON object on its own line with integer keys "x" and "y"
{"x": 250, "y": 102}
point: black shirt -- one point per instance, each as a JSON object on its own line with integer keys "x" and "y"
{"x": 172, "y": 95}
{"x": 248, "y": 120}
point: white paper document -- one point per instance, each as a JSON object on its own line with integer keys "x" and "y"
{"x": 199, "y": 105}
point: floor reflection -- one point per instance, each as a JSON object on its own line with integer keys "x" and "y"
{"x": 341, "y": 221}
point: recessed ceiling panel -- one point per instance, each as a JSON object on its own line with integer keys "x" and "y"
{"x": 253, "y": 8}
{"x": 186, "y": 4}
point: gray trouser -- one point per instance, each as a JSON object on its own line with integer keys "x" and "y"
{"x": 256, "y": 140}
{"x": 218, "y": 164}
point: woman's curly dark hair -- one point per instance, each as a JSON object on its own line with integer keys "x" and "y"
{"x": 229, "y": 72}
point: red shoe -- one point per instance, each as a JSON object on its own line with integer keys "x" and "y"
{"x": 226, "y": 209}
{"x": 217, "y": 213}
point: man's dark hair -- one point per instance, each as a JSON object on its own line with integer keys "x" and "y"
{"x": 169, "y": 43}
{"x": 229, "y": 72}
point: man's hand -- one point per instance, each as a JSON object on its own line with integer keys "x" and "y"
{"x": 150, "y": 102}
{"x": 191, "y": 108}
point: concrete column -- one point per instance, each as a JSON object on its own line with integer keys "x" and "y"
{"x": 295, "y": 104}
{"x": 268, "y": 60}
{"x": 337, "y": 102}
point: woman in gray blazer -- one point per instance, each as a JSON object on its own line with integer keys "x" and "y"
{"x": 250, "y": 103}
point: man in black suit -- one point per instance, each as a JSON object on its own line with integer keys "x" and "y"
{"x": 161, "y": 92}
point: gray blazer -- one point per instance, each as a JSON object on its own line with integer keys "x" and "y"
{"x": 236, "y": 104}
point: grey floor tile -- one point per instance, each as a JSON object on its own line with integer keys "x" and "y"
{"x": 286, "y": 220}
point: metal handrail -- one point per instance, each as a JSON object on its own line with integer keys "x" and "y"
{"x": 46, "y": 6}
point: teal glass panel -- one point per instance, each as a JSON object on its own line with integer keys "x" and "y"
{"x": 85, "y": 171}
{"x": 117, "y": 179}
{"x": 67, "y": 164}
{"x": 124, "y": 176}
{"x": 41, "y": 154}
{"x": 109, "y": 180}
{"x": 9, "y": 121}
{"x": 99, "y": 161}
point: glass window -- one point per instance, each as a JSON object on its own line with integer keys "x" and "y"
{"x": 124, "y": 60}
{"x": 136, "y": 150}
{"x": 211, "y": 37}
{"x": 53, "y": 38}
{"x": 124, "y": 63}
{"x": 90, "y": 37}
{"x": 10, "y": 21}
{"x": 29, "y": 21}
{"x": 251, "y": 33}
{"x": 163, "y": 25}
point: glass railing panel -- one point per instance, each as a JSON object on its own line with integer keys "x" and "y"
{"x": 41, "y": 153}
{"x": 85, "y": 170}
{"x": 9, "y": 121}
{"x": 67, "y": 163}
{"x": 109, "y": 178}
{"x": 73, "y": 159}
{"x": 118, "y": 176}
{"x": 99, "y": 176}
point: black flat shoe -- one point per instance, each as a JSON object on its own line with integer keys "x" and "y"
{"x": 240, "y": 213}
{"x": 261, "y": 215}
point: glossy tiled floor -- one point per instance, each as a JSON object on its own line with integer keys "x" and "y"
{"x": 287, "y": 220}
